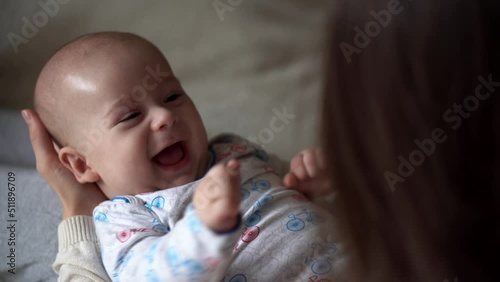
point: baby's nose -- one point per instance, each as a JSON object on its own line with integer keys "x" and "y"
{"x": 163, "y": 118}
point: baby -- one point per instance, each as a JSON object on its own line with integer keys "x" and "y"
{"x": 181, "y": 208}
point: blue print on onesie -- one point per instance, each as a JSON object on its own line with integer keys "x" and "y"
{"x": 150, "y": 254}
{"x": 158, "y": 202}
{"x": 191, "y": 267}
{"x": 100, "y": 216}
{"x": 259, "y": 205}
{"x": 120, "y": 265}
{"x": 298, "y": 220}
{"x": 152, "y": 276}
{"x": 260, "y": 185}
{"x": 120, "y": 199}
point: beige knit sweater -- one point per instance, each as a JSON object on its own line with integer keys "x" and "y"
{"x": 78, "y": 258}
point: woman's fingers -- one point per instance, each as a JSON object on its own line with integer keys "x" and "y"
{"x": 56, "y": 147}
{"x": 47, "y": 160}
{"x": 41, "y": 142}
{"x": 76, "y": 198}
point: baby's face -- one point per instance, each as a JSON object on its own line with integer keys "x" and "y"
{"x": 142, "y": 132}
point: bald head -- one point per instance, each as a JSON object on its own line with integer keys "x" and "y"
{"x": 75, "y": 73}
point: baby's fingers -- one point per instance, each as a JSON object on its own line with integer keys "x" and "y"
{"x": 307, "y": 164}
{"x": 220, "y": 184}
{"x": 217, "y": 197}
{"x": 291, "y": 181}
{"x": 298, "y": 168}
{"x": 320, "y": 158}
{"x": 311, "y": 162}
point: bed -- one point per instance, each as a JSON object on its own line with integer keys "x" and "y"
{"x": 244, "y": 63}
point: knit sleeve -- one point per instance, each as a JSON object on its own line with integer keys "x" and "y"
{"x": 78, "y": 258}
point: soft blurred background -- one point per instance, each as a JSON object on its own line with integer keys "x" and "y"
{"x": 237, "y": 59}
{"x": 241, "y": 61}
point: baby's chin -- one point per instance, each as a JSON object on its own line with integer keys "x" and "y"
{"x": 150, "y": 189}
{"x": 160, "y": 184}
{"x": 179, "y": 181}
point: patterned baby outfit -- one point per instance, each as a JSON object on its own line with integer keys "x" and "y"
{"x": 158, "y": 236}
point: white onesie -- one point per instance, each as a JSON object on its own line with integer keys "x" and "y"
{"x": 158, "y": 236}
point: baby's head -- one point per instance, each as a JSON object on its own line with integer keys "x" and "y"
{"x": 120, "y": 116}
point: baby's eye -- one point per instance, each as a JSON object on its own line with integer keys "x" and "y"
{"x": 130, "y": 116}
{"x": 172, "y": 97}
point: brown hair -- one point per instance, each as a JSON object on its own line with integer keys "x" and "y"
{"x": 386, "y": 103}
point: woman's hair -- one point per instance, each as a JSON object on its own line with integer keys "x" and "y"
{"x": 410, "y": 128}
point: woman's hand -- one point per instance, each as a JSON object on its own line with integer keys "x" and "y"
{"x": 76, "y": 198}
{"x": 307, "y": 174}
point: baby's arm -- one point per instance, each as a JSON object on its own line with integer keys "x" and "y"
{"x": 137, "y": 247}
{"x": 308, "y": 174}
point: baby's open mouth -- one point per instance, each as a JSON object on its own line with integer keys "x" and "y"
{"x": 172, "y": 156}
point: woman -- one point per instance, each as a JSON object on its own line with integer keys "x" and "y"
{"x": 410, "y": 129}
{"x": 413, "y": 158}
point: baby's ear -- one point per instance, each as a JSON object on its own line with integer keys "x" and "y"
{"x": 77, "y": 164}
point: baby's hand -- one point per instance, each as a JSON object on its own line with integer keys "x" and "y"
{"x": 217, "y": 197}
{"x": 307, "y": 174}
